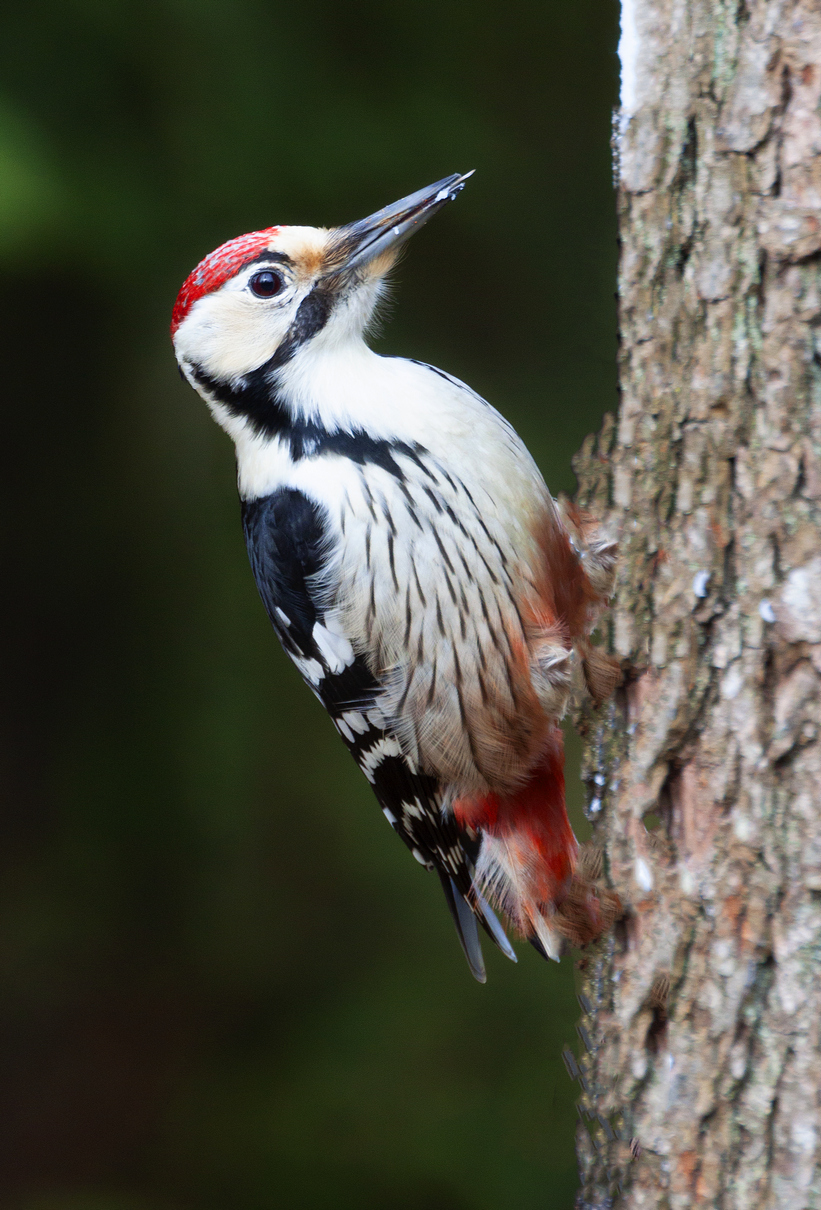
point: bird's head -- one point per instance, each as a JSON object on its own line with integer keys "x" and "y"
{"x": 249, "y": 308}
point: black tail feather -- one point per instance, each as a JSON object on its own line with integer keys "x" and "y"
{"x": 494, "y": 930}
{"x": 467, "y": 920}
{"x": 538, "y": 947}
{"x": 466, "y": 928}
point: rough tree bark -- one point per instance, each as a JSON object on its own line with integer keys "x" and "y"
{"x": 703, "y": 1077}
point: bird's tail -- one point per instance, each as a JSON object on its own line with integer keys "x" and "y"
{"x": 468, "y": 913}
{"x": 528, "y": 858}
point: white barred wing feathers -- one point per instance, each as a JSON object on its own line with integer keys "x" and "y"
{"x": 290, "y": 552}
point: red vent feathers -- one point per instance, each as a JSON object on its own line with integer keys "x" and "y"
{"x": 216, "y": 268}
{"x": 533, "y": 820}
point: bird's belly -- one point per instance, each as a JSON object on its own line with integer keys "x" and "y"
{"x": 435, "y": 595}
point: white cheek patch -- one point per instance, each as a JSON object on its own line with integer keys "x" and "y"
{"x": 231, "y": 332}
{"x": 227, "y": 334}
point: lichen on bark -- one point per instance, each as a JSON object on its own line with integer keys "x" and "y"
{"x": 703, "y": 1081}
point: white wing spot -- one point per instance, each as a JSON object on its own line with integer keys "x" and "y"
{"x": 422, "y": 860}
{"x": 344, "y": 730}
{"x": 312, "y": 670}
{"x": 389, "y": 815}
{"x": 283, "y": 617}
{"x": 355, "y": 721}
{"x": 383, "y": 748}
{"x": 334, "y": 648}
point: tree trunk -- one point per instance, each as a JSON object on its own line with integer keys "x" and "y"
{"x": 702, "y": 1080}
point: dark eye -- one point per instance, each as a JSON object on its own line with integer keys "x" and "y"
{"x": 265, "y": 284}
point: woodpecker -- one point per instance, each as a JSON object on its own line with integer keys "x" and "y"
{"x": 412, "y": 562}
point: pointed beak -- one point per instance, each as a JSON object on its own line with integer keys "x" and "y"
{"x": 357, "y": 243}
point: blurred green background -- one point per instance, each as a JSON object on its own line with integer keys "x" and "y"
{"x": 224, "y": 985}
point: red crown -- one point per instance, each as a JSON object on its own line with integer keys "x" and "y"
{"x": 216, "y": 269}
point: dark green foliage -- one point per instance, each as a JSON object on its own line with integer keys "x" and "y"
{"x": 223, "y": 983}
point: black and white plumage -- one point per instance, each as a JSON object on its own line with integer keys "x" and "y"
{"x": 409, "y": 557}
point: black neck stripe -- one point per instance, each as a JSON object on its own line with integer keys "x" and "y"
{"x": 259, "y": 399}
{"x": 308, "y": 440}
{"x": 304, "y": 438}
{"x": 257, "y": 396}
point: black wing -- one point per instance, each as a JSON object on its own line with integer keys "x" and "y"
{"x": 287, "y": 538}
